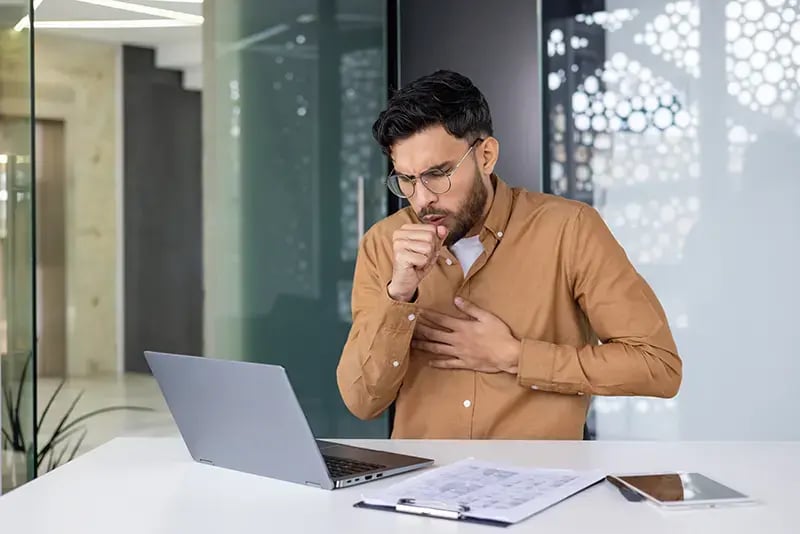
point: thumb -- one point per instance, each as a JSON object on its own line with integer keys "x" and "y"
{"x": 470, "y": 309}
{"x": 441, "y": 231}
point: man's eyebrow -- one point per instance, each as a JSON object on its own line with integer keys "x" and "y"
{"x": 437, "y": 167}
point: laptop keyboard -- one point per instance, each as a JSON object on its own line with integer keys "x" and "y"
{"x": 341, "y": 467}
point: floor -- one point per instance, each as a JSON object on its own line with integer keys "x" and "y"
{"x": 98, "y": 393}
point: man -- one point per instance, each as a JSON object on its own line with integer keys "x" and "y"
{"x": 478, "y": 308}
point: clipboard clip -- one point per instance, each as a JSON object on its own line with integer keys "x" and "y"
{"x": 431, "y": 508}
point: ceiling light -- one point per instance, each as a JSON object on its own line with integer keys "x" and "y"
{"x": 146, "y": 10}
{"x": 24, "y": 22}
{"x": 255, "y": 38}
{"x": 108, "y": 24}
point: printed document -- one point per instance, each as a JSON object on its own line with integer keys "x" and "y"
{"x": 486, "y": 490}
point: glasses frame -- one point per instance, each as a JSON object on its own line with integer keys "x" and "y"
{"x": 449, "y": 175}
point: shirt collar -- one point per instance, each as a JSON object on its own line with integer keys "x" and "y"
{"x": 500, "y": 212}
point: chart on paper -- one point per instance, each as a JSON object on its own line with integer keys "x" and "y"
{"x": 487, "y": 490}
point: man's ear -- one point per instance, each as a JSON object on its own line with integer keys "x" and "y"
{"x": 488, "y": 152}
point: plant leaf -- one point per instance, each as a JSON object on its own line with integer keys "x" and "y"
{"x": 6, "y": 437}
{"x": 85, "y": 416}
{"x": 60, "y": 456}
{"x": 59, "y": 428}
{"x": 40, "y": 456}
{"x": 77, "y": 446}
{"x": 51, "y": 462}
{"x": 49, "y": 403}
{"x": 12, "y": 417}
{"x": 65, "y": 435}
{"x": 22, "y": 380}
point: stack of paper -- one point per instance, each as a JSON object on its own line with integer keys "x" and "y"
{"x": 489, "y": 491}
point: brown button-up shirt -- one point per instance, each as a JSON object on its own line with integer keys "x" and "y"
{"x": 551, "y": 270}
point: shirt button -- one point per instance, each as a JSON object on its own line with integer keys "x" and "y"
{"x": 411, "y": 317}
{"x": 395, "y": 364}
{"x": 499, "y": 234}
{"x": 448, "y": 261}
{"x": 467, "y": 403}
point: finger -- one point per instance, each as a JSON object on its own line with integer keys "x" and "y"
{"x": 426, "y": 266}
{"x": 409, "y": 258}
{"x": 472, "y": 310}
{"x": 452, "y": 363}
{"x": 417, "y": 246}
{"x": 440, "y": 319}
{"x": 426, "y": 233}
{"x": 440, "y": 230}
{"x": 419, "y": 226}
{"x": 433, "y": 347}
{"x": 419, "y": 239}
{"x": 431, "y": 334}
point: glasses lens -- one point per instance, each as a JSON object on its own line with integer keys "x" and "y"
{"x": 400, "y": 185}
{"x": 436, "y": 181}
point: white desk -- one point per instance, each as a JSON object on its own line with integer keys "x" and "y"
{"x": 146, "y": 485}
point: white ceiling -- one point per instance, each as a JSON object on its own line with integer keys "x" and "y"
{"x": 177, "y": 48}
{"x": 63, "y": 10}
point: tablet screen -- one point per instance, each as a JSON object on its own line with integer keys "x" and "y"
{"x": 681, "y": 487}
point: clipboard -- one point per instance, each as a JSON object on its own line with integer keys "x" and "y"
{"x": 481, "y": 492}
{"x": 438, "y": 510}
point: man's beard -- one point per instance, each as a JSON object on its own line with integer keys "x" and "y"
{"x": 467, "y": 215}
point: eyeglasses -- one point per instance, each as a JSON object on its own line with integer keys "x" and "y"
{"x": 436, "y": 181}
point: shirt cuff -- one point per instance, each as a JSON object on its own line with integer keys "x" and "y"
{"x": 536, "y": 364}
{"x": 397, "y": 316}
{"x": 537, "y": 368}
{"x": 389, "y": 343}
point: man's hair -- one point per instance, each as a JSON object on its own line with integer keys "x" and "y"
{"x": 443, "y": 98}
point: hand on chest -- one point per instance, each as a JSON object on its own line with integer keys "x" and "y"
{"x": 515, "y": 288}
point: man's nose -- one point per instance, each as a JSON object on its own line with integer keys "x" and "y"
{"x": 423, "y": 196}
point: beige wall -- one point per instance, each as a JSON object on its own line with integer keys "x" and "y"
{"x": 76, "y": 82}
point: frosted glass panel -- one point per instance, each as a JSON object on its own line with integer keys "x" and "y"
{"x": 18, "y": 361}
{"x": 680, "y": 122}
{"x": 293, "y": 178}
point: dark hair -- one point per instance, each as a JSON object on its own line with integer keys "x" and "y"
{"x": 444, "y": 97}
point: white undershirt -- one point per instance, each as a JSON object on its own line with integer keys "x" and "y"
{"x": 467, "y": 250}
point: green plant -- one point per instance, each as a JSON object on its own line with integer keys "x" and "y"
{"x": 68, "y": 435}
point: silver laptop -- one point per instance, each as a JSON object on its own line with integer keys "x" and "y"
{"x": 245, "y": 416}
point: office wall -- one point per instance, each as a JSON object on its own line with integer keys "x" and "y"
{"x": 75, "y": 83}
{"x": 495, "y": 44}
{"x": 163, "y": 204}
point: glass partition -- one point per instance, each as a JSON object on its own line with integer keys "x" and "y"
{"x": 680, "y": 122}
{"x": 292, "y": 179}
{"x": 17, "y": 355}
